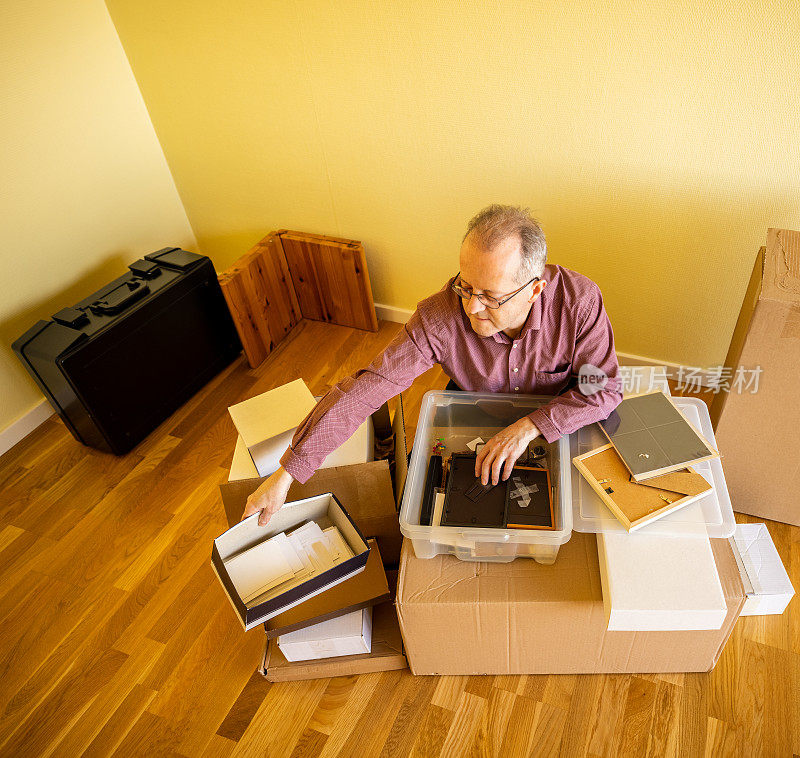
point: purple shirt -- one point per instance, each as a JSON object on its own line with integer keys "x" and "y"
{"x": 567, "y": 327}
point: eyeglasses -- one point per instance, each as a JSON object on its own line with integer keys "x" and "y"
{"x": 466, "y": 293}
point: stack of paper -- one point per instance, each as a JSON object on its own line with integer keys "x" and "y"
{"x": 283, "y": 561}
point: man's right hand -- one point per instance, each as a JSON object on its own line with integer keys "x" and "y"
{"x": 269, "y": 497}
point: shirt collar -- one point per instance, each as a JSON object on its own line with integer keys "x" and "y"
{"x": 533, "y": 322}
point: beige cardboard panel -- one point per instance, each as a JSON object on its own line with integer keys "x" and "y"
{"x": 762, "y": 467}
{"x": 522, "y": 617}
{"x": 387, "y": 654}
{"x": 272, "y": 413}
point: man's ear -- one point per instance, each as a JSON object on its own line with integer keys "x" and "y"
{"x": 537, "y": 290}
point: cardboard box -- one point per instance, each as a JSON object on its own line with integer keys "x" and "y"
{"x": 359, "y": 448}
{"x": 766, "y": 583}
{"x": 756, "y": 432}
{"x": 350, "y": 634}
{"x": 386, "y": 654}
{"x": 363, "y": 590}
{"x": 267, "y": 422}
{"x": 326, "y": 510}
{"x": 526, "y": 618}
{"x": 370, "y": 490}
{"x": 654, "y": 583}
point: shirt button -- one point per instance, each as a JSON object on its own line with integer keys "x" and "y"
{"x": 514, "y": 345}
{"x": 516, "y": 389}
{"x": 515, "y": 370}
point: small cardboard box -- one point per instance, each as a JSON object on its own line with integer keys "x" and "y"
{"x": 267, "y": 422}
{"x": 527, "y": 618}
{"x": 371, "y": 490}
{"x": 766, "y": 583}
{"x": 326, "y": 510}
{"x": 386, "y": 654}
{"x": 363, "y": 590}
{"x": 350, "y": 634}
{"x": 359, "y": 448}
{"x": 756, "y": 422}
{"x": 653, "y": 583}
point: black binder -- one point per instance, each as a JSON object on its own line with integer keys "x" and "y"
{"x": 118, "y": 363}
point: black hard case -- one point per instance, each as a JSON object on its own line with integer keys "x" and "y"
{"x": 121, "y": 361}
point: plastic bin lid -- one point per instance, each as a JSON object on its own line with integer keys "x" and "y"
{"x": 711, "y": 515}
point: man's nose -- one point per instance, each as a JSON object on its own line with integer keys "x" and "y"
{"x": 474, "y": 305}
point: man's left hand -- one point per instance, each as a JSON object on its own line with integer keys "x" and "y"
{"x": 504, "y": 448}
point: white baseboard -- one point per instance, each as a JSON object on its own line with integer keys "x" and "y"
{"x": 24, "y": 425}
{"x": 705, "y": 377}
{"x": 390, "y": 313}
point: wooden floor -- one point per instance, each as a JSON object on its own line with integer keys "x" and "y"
{"x": 115, "y": 637}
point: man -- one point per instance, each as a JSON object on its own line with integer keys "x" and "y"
{"x": 507, "y": 322}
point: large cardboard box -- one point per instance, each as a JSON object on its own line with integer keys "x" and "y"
{"x": 756, "y": 432}
{"x": 371, "y": 492}
{"x": 386, "y": 654}
{"x": 526, "y": 618}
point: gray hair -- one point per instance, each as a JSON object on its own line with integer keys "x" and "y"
{"x": 496, "y": 223}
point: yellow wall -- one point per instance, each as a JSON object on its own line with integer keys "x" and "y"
{"x": 85, "y": 188}
{"x": 656, "y": 141}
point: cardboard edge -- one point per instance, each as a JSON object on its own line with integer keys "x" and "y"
{"x": 385, "y": 597}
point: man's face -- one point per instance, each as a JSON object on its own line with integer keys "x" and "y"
{"x": 493, "y": 272}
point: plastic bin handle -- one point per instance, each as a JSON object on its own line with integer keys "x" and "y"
{"x": 493, "y": 536}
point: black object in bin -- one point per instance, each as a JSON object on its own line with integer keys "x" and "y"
{"x": 118, "y": 363}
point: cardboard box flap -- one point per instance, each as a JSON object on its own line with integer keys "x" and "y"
{"x": 781, "y": 277}
{"x": 368, "y": 495}
{"x": 400, "y": 452}
{"x": 272, "y": 413}
{"x": 367, "y": 588}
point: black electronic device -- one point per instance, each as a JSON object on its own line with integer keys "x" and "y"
{"x": 467, "y": 501}
{"x": 118, "y": 363}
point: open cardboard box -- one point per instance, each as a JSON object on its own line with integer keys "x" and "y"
{"x": 266, "y": 423}
{"x": 360, "y": 448}
{"x": 527, "y": 618}
{"x": 372, "y": 491}
{"x": 327, "y": 511}
{"x": 386, "y": 655}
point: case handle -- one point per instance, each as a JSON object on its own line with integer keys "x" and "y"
{"x": 120, "y": 298}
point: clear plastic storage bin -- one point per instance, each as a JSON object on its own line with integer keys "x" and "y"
{"x": 711, "y": 515}
{"x": 458, "y": 418}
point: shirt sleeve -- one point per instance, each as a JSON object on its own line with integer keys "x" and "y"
{"x": 348, "y": 404}
{"x": 594, "y": 349}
